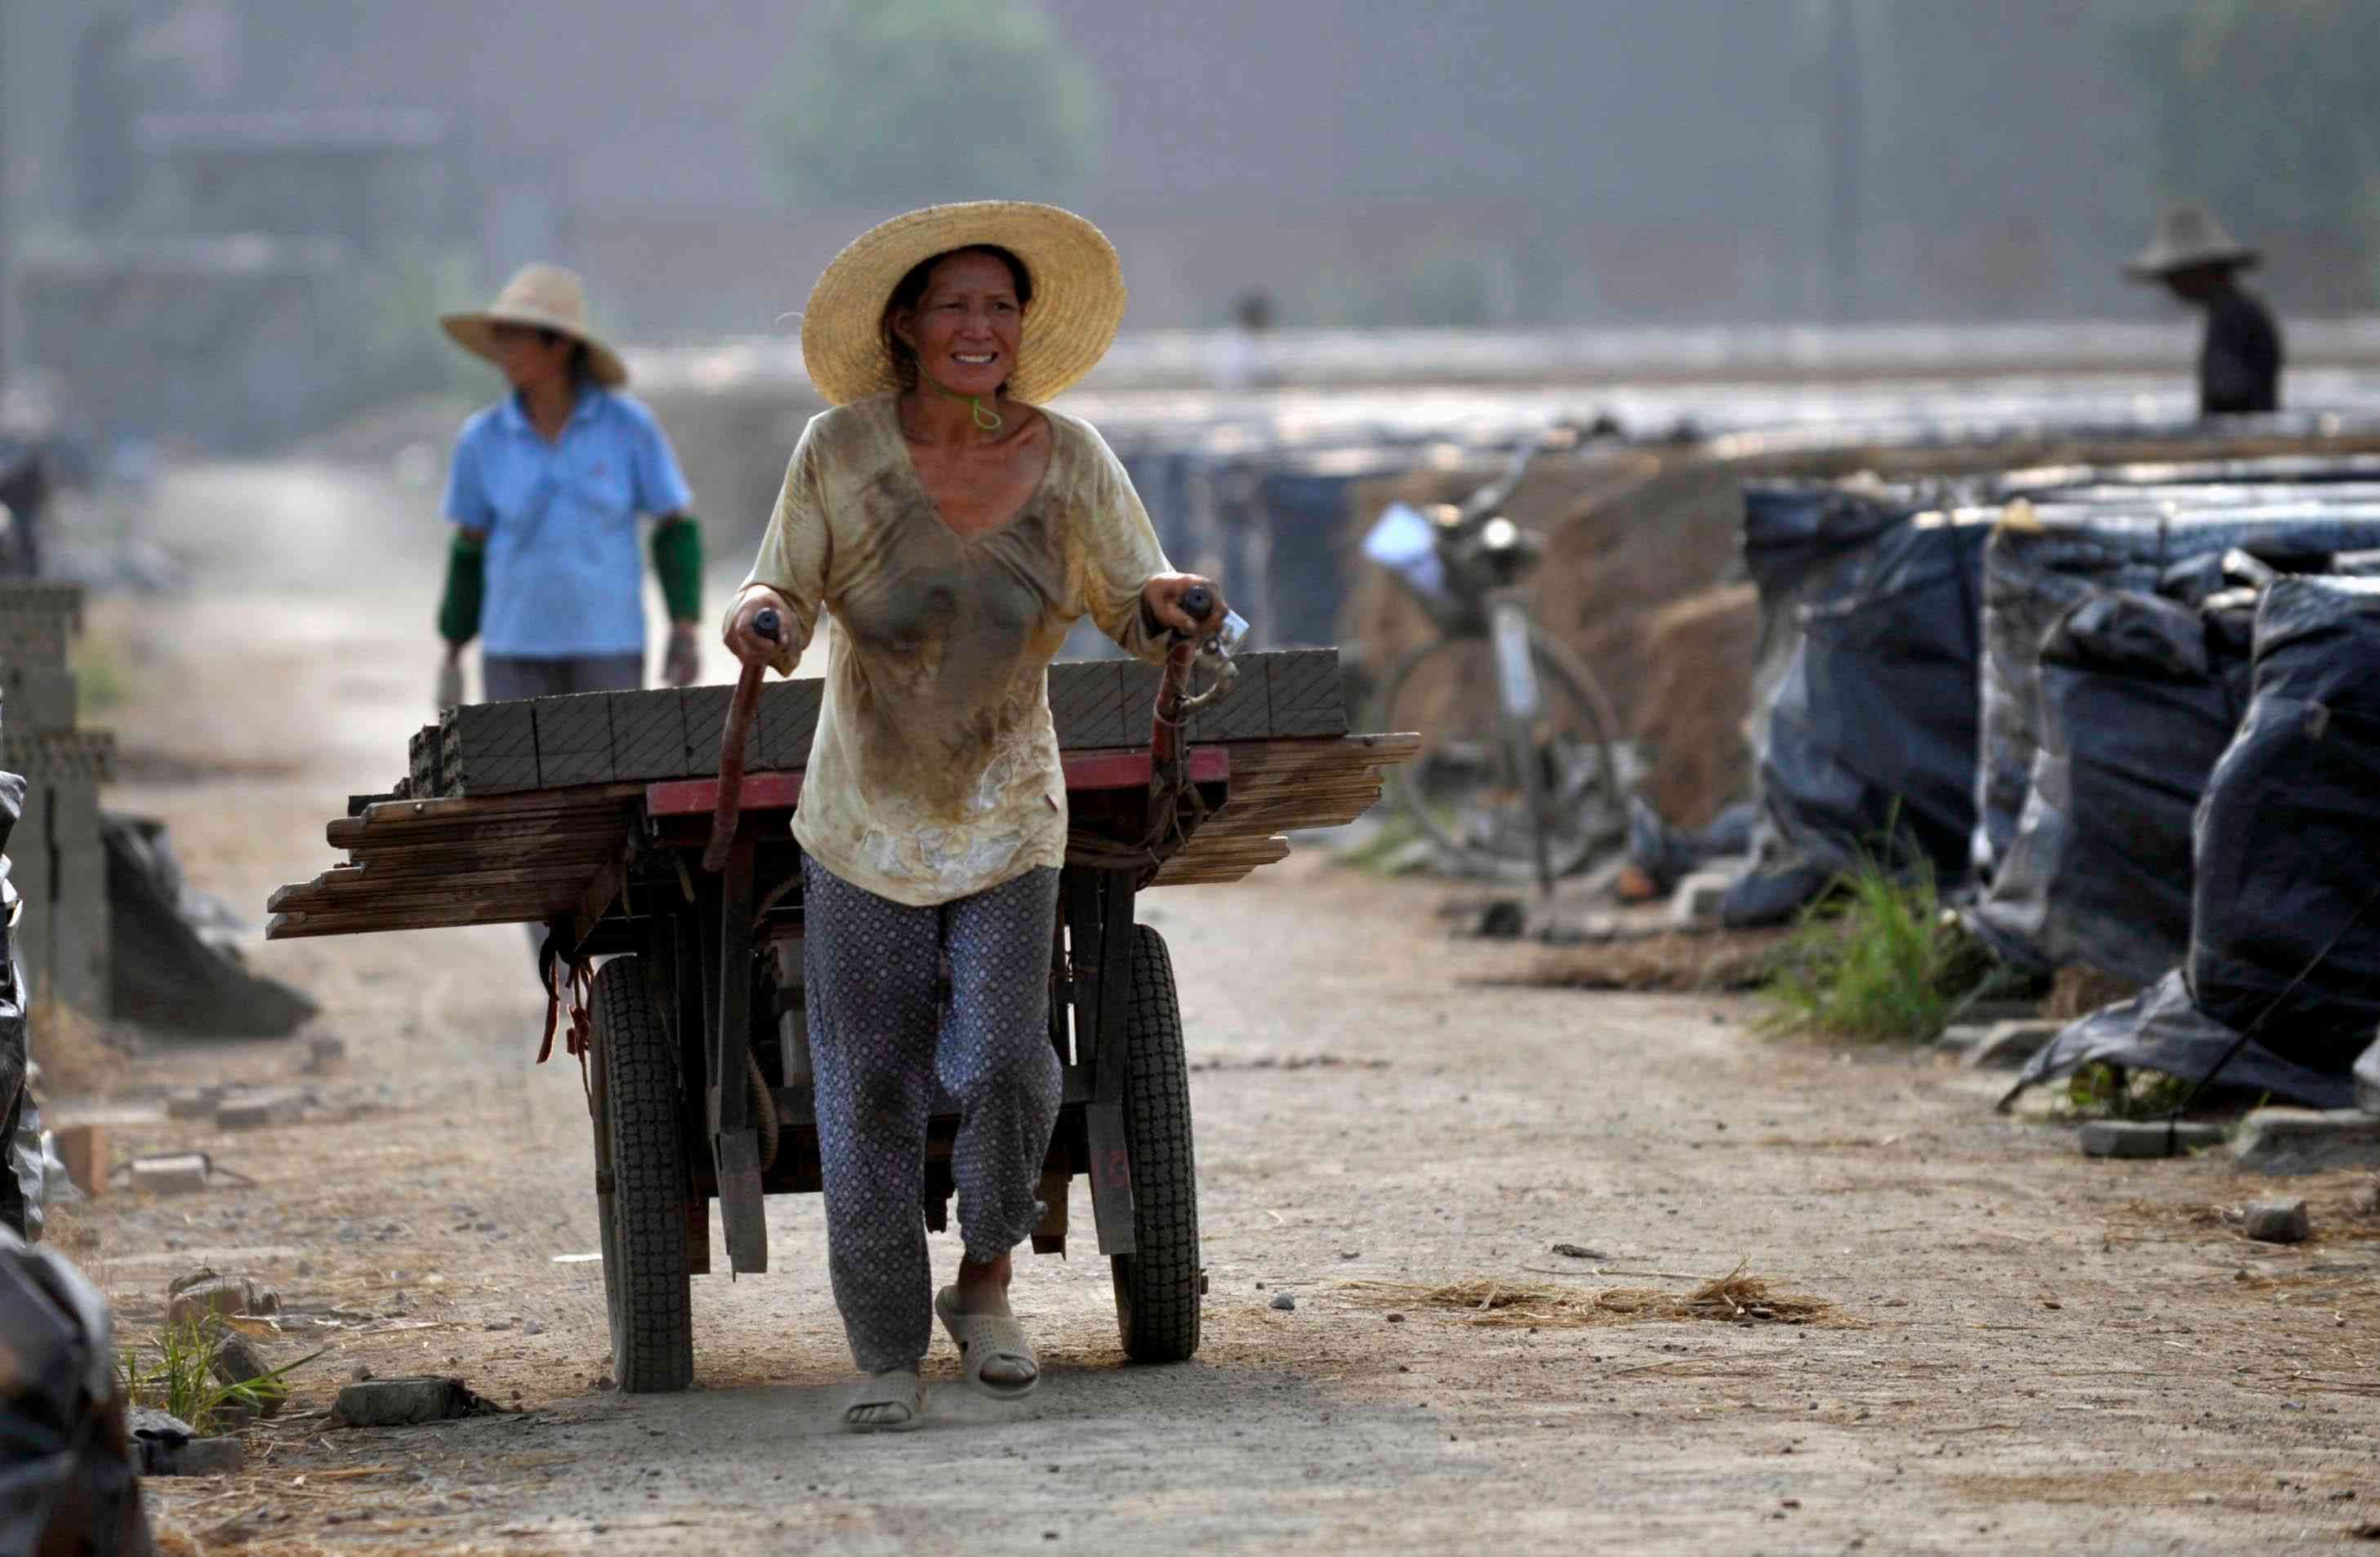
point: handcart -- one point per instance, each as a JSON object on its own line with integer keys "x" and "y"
{"x": 680, "y": 988}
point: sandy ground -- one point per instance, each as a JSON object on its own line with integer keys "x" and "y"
{"x": 2023, "y": 1351}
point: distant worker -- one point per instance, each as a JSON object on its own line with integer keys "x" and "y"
{"x": 2239, "y": 365}
{"x": 546, "y": 487}
{"x": 1241, "y": 360}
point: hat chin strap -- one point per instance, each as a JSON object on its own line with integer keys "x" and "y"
{"x": 990, "y": 421}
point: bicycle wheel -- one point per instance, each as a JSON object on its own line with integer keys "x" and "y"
{"x": 1466, "y": 789}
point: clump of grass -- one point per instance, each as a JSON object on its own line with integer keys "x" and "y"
{"x": 175, "y": 1372}
{"x": 2100, "y": 1091}
{"x": 102, "y": 671}
{"x": 1874, "y": 960}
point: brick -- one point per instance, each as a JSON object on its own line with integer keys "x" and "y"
{"x": 1307, "y": 695}
{"x": 2307, "y": 1140}
{"x": 489, "y": 749}
{"x": 649, "y": 736}
{"x": 574, "y": 740}
{"x": 789, "y": 716}
{"x": 83, "y": 1149}
{"x": 1087, "y": 704}
{"x": 705, "y": 711}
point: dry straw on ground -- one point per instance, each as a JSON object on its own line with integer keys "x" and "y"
{"x": 1735, "y": 1298}
{"x": 72, "y": 1050}
{"x": 1690, "y": 963}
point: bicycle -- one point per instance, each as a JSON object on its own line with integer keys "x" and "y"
{"x": 1516, "y": 768}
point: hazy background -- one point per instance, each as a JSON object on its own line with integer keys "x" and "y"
{"x": 233, "y": 219}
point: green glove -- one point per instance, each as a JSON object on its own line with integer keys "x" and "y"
{"x": 677, "y": 558}
{"x": 466, "y": 587}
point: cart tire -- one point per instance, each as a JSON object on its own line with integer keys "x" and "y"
{"x": 640, "y": 1142}
{"x": 1158, "y": 1288}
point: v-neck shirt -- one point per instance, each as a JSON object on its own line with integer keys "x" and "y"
{"x": 934, "y": 773}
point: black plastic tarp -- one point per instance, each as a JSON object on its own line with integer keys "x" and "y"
{"x": 2286, "y": 920}
{"x": 2139, "y": 697}
{"x": 167, "y": 972}
{"x": 1867, "y": 743}
{"x": 2284, "y": 956}
{"x": 2042, "y": 565}
{"x": 68, "y": 1482}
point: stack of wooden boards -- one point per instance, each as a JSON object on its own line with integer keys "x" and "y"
{"x": 522, "y": 810}
{"x": 57, "y": 857}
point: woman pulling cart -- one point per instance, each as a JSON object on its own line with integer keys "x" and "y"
{"x": 955, "y": 530}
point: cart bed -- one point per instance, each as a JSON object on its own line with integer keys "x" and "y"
{"x": 461, "y": 844}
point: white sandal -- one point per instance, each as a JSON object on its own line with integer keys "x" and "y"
{"x": 982, "y": 1337}
{"x": 896, "y": 1387}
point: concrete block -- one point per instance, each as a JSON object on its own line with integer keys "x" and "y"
{"x": 2145, "y": 1138}
{"x": 35, "y": 701}
{"x": 1088, "y": 700}
{"x": 2007, "y": 1045}
{"x": 649, "y": 736}
{"x": 1960, "y": 1037}
{"x": 574, "y": 740}
{"x": 1306, "y": 695}
{"x": 2307, "y": 1140}
{"x": 489, "y": 749}
{"x": 789, "y": 716}
{"x": 396, "y": 1403}
{"x": 2278, "y": 1222}
{"x": 1697, "y": 899}
{"x": 705, "y": 712}
{"x": 80, "y": 946}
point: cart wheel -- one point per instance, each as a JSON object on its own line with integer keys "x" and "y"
{"x": 640, "y": 1154}
{"x": 1156, "y": 1289}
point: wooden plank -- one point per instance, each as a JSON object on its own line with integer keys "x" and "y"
{"x": 574, "y": 740}
{"x": 649, "y": 736}
{"x": 299, "y": 926}
{"x": 1307, "y": 694}
{"x": 487, "y": 748}
{"x": 788, "y": 722}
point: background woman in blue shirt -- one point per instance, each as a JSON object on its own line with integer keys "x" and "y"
{"x": 544, "y": 494}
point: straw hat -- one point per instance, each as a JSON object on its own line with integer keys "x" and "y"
{"x": 542, "y": 297}
{"x": 1078, "y": 295}
{"x": 2187, "y": 237}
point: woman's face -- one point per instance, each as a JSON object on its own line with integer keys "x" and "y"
{"x": 532, "y": 357}
{"x": 966, "y": 327}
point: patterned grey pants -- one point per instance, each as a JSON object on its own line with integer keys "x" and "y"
{"x": 880, "y": 1038}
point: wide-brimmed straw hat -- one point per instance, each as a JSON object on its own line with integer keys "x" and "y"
{"x": 1078, "y": 295}
{"x": 542, "y": 298}
{"x": 2186, "y": 238}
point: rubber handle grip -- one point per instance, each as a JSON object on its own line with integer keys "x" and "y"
{"x": 1200, "y": 601}
{"x": 765, "y": 622}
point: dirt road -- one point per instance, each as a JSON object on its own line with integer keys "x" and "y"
{"x": 2022, "y": 1351}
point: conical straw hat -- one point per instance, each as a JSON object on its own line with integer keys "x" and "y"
{"x": 1078, "y": 295}
{"x": 2186, "y": 235}
{"x": 542, "y": 297}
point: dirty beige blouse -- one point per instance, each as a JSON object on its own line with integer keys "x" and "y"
{"x": 935, "y": 774}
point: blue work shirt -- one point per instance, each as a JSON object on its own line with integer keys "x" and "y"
{"x": 566, "y": 577}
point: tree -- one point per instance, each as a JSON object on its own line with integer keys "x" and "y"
{"x": 889, "y": 103}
